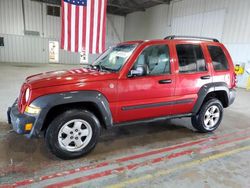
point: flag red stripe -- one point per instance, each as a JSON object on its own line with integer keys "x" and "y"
{"x": 91, "y": 25}
{"x": 69, "y": 27}
{"x": 104, "y": 26}
{"x": 72, "y": 20}
{"x": 77, "y": 28}
{"x": 63, "y": 27}
{"x": 98, "y": 26}
{"x": 84, "y": 28}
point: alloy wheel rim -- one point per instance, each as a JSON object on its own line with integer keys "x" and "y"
{"x": 75, "y": 135}
{"x": 211, "y": 117}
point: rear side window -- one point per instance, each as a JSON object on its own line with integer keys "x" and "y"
{"x": 190, "y": 58}
{"x": 218, "y": 57}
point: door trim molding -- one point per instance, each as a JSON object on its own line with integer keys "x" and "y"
{"x": 152, "y": 105}
{"x": 152, "y": 120}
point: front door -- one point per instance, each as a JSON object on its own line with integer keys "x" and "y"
{"x": 148, "y": 95}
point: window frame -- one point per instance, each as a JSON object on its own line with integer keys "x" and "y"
{"x": 1, "y": 41}
{"x": 154, "y": 75}
{"x": 210, "y": 57}
{"x": 203, "y": 53}
{"x": 53, "y": 7}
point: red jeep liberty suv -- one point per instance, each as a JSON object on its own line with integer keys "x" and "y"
{"x": 132, "y": 82}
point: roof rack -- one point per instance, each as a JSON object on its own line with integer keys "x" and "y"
{"x": 171, "y": 37}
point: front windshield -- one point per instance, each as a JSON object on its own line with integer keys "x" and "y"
{"x": 115, "y": 57}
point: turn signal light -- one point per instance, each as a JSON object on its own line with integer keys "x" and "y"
{"x": 28, "y": 126}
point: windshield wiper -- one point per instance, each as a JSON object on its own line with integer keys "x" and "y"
{"x": 89, "y": 65}
{"x": 99, "y": 67}
{"x": 107, "y": 69}
{"x": 95, "y": 67}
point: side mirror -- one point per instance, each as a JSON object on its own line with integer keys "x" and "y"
{"x": 139, "y": 71}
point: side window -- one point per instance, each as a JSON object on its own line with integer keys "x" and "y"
{"x": 218, "y": 57}
{"x": 190, "y": 58}
{"x": 155, "y": 60}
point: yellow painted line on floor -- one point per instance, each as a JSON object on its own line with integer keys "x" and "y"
{"x": 178, "y": 167}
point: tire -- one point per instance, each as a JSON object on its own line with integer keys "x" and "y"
{"x": 209, "y": 117}
{"x": 73, "y": 134}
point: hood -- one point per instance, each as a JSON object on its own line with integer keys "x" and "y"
{"x": 65, "y": 77}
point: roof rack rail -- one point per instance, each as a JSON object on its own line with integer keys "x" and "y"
{"x": 171, "y": 37}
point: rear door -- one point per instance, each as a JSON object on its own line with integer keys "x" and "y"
{"x": 149, "y": 95}
{"x": 193, "y": 72}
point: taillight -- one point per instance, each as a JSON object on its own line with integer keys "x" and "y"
{"x": 234, "y": 81}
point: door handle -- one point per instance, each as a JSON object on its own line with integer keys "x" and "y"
{"x": 168, "y": 81}
{"x": 205, "y": 77}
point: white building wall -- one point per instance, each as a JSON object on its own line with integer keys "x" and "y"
{"x": 11, "y": 17}
{"x": 23, "y": 48}
{"x": 227, "y": 20}
{"x": 147, "y": 25}
{"x": 33, "y": 15}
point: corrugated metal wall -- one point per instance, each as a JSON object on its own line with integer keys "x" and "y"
{"x": 34, "y": 49}
{"x": 11, "y": 17}
{"x": 194, "y": 17}
{"x": 150, "y": 24}
{"x": 235, "y": 20}
{"x": 227, "y": 20}
{"x": 33, "y": 15}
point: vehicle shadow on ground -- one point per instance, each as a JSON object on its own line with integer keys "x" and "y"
{"x": 15, "y": 146}
{"x": 20, "y": 155}
{"x": 112, "y": 141}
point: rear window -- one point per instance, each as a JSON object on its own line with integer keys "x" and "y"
{"x": 190, "y": 58}
{"x": 218, "y": 57}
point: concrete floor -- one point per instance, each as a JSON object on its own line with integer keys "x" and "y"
{"x": 164, "y": 154}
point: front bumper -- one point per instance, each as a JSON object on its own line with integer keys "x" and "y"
{"x": 232, "y": 96}
{"x": 18, "y": 120}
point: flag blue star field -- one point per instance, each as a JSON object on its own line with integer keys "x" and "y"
{"x": 84, "y": 25}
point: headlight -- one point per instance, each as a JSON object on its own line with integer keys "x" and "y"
{"x": 32, "y": 109}
{"x": 27, "y": 94}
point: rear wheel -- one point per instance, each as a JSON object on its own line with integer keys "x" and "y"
{"x": 209, "y": 117}
{"x": 73, "y": 134}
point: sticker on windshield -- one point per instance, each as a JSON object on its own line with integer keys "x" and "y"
{"x": 122, "y": 54}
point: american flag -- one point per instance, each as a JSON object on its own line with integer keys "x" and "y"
{"x": 84, "y": 25}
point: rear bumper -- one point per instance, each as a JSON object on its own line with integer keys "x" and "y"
{"x": 232, "y": 96}
{"x": 18, "y": 120}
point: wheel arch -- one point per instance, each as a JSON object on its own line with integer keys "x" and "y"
{"x": 54, "y": 104}
{"x": 217, "y": 90}
{"x": 221, "y": 95}
{"x": 56, "y": 110}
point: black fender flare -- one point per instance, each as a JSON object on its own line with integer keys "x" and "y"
{"x": 208, "y": 88}
{"x": 47, "y": 102}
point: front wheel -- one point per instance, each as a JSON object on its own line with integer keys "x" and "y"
{"x": 73, "y": 134}
{"x": 209, "y": 117}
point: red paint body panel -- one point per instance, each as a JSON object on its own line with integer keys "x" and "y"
{"x": 144, "y": 90}
{"x": 122, "y": 91}
{"x": 226, "y": 76}
{"x": 188, "y": 84}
